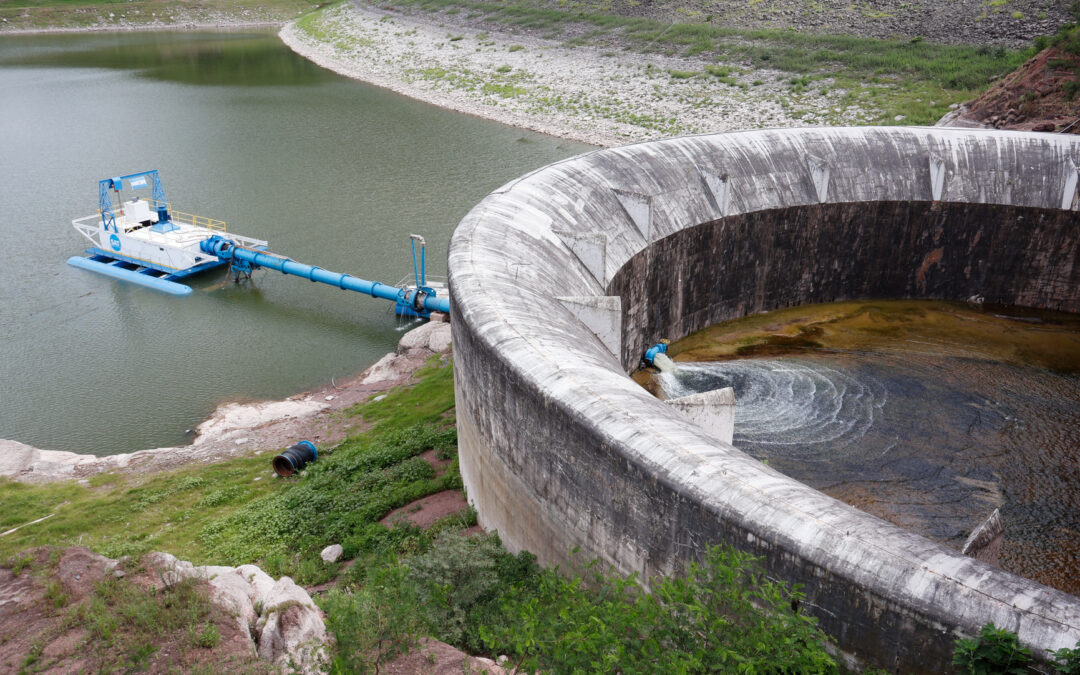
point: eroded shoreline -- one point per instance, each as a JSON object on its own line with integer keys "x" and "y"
{"x": 236, "y": 429}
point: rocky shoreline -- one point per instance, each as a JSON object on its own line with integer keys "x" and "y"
{"x": 238, "y": 429}
{"x": 580, "y": 93}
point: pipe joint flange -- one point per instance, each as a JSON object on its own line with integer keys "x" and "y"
{"x": 418, "y": 300}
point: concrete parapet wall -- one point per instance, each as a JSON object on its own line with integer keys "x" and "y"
{"x": 559, "y": 448}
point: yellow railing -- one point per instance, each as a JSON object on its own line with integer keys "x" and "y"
{"x": 192, "y": 219}
{"x": 199, "y": 221}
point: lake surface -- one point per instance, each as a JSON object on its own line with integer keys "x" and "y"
{"x": 330, "y": 171}
{"x": 928, "y": 415}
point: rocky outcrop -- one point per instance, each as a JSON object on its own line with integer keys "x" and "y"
{"x": 41, "y": 589}
{"x": 413, "y": 350}
{"x": 226, "y": 432}
{"x": 282, "y": 621}
{"x": 291, "y": 629}
{"x": 432, "y": 657}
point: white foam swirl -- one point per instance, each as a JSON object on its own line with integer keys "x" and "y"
{"x": 787, "y": 402}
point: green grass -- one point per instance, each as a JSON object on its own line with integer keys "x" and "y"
{"x": 237, "y": 511}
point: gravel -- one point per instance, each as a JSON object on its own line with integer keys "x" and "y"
{"x": 597, "y": 97}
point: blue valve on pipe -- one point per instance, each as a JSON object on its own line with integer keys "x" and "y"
{"x": 651, "y": 352}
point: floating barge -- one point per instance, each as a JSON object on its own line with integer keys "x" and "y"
{"x": 142, "y": 240}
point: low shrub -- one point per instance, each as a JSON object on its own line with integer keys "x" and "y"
{"x": 995, "y": 652}
{"x": 722, "y": 615}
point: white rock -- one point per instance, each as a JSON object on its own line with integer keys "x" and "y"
{"x": 173, "y": 570}
{"x": 332, "y": 553}
{"x": 261, "y": 583}
{"x": 230, "y": 591}
{"x": 417, "y": 338}
{"x": 439, "y": 340}
{"x": 237, "y": 417}
{"x": 389, "y": 367}
{"x": 210, "y": 572}
{"x": 382, "y": 370}
{"x": 291, "y": 630}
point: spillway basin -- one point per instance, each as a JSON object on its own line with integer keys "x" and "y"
{"x": 929, "y": 415}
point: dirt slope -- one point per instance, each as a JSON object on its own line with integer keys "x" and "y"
{"x": 1033, "y": 98}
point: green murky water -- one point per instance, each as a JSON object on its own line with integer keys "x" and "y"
{"x": 929, "y": 415}
{"x": 330, "y": 171}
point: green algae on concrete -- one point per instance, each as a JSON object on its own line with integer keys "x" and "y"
{"x": 1009, "y": 334}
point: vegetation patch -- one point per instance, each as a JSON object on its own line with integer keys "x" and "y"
{"x": 998, "y": 651}
{"x": 722, "y": 615}
{"x": 77, "y": 613}
{"x": 239, "y": 511}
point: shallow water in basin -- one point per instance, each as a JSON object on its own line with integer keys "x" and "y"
{"x": 914, "y": 425}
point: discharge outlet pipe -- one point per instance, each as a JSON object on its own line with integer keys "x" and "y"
{"x": 418, "y": 299}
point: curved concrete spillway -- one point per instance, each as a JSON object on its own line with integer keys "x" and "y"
{"x": 562, "y": 278}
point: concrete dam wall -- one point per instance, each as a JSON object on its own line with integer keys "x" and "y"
{"x": 562, "y": 278}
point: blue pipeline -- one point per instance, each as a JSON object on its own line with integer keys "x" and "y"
{"x": 226, "y": 250}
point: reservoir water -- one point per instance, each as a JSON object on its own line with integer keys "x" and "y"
{"x": 928, "y": 415}
{"x": 331, "y": 172}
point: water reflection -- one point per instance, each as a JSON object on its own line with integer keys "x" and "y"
{"x": 243, "y": 59}
{"x": 330, "y": 171}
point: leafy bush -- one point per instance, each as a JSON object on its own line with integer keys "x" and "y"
{"x": 458, "y": 582}
{"x": 995, "y": 652}
{"x": 723, "y": 615}
{"x": 374, "y": 623}
{"x": 1067, "y": 660}
{"x": 720, "y": 616}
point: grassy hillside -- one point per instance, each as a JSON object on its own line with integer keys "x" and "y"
{"x": 908, "y": 77}
{"x": 239, "y": 511}
{"x": 402, "y": 582}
